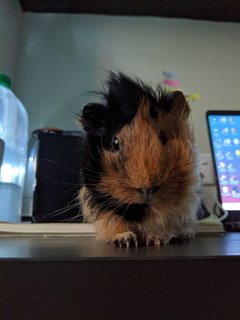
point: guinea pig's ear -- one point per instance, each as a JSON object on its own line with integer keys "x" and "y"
{"x": 92, "y": 118}
{"x": 178, "y": 105}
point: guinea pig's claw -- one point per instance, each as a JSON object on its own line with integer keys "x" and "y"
{"x": 156, "y": 241}
{"x": 125, "y": 239}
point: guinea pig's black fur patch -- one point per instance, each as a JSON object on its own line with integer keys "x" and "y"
{"x": 102, "y": 121}
{"x": 121, "y": 101}
{"x": 132, "y": 213}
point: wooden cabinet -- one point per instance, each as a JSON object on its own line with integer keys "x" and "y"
{"x": 73, "y": 278}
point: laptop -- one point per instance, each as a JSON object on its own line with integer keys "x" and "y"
{"x": 224, "y": 136}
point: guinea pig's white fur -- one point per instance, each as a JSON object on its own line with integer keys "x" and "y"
{"x": 141, "y": 178}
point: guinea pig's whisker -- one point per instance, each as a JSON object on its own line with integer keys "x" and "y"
{"x": 129, "y": 204}
{"x": 114, "y": 218}
{"x": 115, "y": 207}
{"x": 60, "y": 165}
{"x": 91, "y": 169}
{"x": 74, "y": 199}
{"x": 91, "y": 155}
{"x": 59, "y": 212}
{"x": 92, "y": 178}
{"x": 90, "y": 175}
{"x": 121, "y": 204}
{"x": 91, "y": 172}
{"x": 58, "y": 181}
{"x": 72, "y": 218}
{"x": 108, "y": 204}
{"x": 71, "y": 189}
{"x": 101, "y": 144}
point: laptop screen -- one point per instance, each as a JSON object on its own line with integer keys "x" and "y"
{"x": 224, "y": 134}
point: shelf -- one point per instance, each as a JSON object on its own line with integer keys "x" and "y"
{"x": 78, "y": 277}
{"x": 214, "y": 10}
{"x": 78, "y": 248}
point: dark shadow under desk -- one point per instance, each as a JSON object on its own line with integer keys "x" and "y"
{"x": 77, "y": 277}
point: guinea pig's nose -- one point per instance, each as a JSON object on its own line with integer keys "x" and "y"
{"x": 148, "y": 191}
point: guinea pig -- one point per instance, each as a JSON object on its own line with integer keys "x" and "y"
{"x": 140, "y": 172}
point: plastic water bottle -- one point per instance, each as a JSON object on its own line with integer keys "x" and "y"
{"x": 13, "y": 151}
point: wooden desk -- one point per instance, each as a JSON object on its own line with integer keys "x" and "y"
{"x": 74, "y": 277}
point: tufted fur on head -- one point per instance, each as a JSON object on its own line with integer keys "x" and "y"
{"x": 141, "y": 181}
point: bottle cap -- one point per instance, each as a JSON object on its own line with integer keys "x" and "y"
{"x": 5, "y": 81}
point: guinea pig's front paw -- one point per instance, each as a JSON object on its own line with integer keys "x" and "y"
{"x": 125, "y": 239}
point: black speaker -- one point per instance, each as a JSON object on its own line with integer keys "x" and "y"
{"x": 58, "y": 177}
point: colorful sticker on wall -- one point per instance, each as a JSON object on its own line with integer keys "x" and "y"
{"x": 172, "y": 84}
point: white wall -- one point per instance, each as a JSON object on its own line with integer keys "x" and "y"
{"x": 10, "y": 28}
{"x": 63, "y": 57}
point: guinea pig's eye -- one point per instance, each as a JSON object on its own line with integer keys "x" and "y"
{"x": 163, "y": 137}
{"x": 115, "y": 144}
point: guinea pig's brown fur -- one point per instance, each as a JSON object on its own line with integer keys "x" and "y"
{"x": 141, "y": 180}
